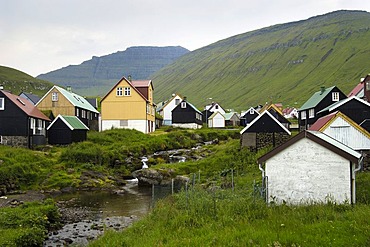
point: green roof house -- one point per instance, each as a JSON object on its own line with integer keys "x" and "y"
{"x": 308, "y": 112}
{"x": 66, "y": 129}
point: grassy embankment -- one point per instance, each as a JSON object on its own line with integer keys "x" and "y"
{"x": 223, "y": 217}
{"x": 113, "y": 153}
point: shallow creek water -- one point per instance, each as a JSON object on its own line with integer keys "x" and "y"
{"x": 100, "y": 210}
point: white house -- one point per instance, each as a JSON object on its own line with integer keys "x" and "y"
{"x": 215, "y": 107}
{"x": 216, "y": 120}
{"x": 165, "y": 108}
{"x": 343, "y": 129}
{"x": 311, "y": 167}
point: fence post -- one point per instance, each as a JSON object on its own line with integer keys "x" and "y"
{"x": 172, "y": 185}
{"x": 153, "y": 195}
{"x": 199, "y": 176}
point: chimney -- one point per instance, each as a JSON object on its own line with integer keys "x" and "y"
{"x": 69, "y": 89}
{"x": 1, "y": 87}
{"x": 184, "y": 98}
{"x": 129, "y": 78}
{"x": 322, "y": 90}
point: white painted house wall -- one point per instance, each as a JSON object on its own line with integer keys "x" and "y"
{"x": 218, "y": 121}
{"x": 345, "y": 133}
{"x": 167, "y": 110}
{"x": 140, "y": 125}
{"x": 307, "y": 172}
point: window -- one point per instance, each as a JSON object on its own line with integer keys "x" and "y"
{"x": 119, "y": 91}
{"x": 183, "y": 104}
{"x": 368, "y": 86}
{"x": 123, "y": 123}
{"x": 54, "y": 96}
{"x": 335, "y": 96}
{"x": 177, "y": 101}
{"x": 311, "y": 113}
{"x": 83, "y": 113}
{"x": 251, "y": 111}
{"x": 127, "y": 91}
{"x": 2, "y": 103}
{"x": 77, "y": 112}
{"x": 303, "y": 115}
{"x": 216, "y": 107}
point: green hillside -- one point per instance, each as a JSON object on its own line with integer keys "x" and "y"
{"x": 17, "y": 81}
{"x": 97, "y": 75}
{"x": 282, "y": 63}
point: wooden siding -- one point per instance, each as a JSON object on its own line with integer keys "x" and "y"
{"x": 133, "y": 107}
{"x": 63, "y": 106}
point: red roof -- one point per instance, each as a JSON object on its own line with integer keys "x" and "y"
{"x": 143, "y": 83}
{"x": 322, "y": 121}
{"x": 26, "y": 106}
{"x": 356, "y": 90}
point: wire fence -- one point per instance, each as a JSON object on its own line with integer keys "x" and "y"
{"x": 226, "y": 181}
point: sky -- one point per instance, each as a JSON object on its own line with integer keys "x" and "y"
{"x": 39, "y": 36}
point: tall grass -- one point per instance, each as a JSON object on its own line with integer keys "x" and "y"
{"x": 226, "y": 218}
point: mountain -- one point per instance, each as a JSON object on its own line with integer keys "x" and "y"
{"x": 97, "y": 75}
{"x": 17, "y": 81}
{"x": 283, "y": 63}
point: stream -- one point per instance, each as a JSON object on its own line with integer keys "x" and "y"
{"x": 90, "y": 212}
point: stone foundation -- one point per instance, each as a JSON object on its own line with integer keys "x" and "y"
{"x": 15, "y": 141}
{"x": 257, "y": 141}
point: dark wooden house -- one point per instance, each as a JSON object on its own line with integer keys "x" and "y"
{"x": 355, "y": 108}
{"x": 21, "y": 123}
{"x": 263, "y": 131}
{"x": 249, "y": 116}
{"x": 66, "y": 129}
{"x": 308, "y": 113}
{"x": 185, "y": 115}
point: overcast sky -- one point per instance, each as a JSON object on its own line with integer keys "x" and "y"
{"x": 38, "y": 36}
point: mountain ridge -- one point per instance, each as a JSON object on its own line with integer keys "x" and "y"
{"x": 98, "y": 74}
{"x": 292, "y": 60}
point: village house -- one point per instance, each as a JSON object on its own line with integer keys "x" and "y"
{"x": 30, "y": 97}
{"x": 362, "y": 90}
{"x": 66, "y": 129}
{"x": 232, "y": 119}
{"x": 129, "y": 105}
{"x": 265, "y": 130}
{"x": 311, "y": 167}
{"x": 186, "y": 115}
{"x": 307, "y": 114}
{"x": 276, "y": 111}
{"x": 248, "y": 116}
{"x": 355, "y": 108}
{"x": 165, "y": 108}
{"x": 64, "y": 102}
{"x": 216, "y": 120}
{"x": 22, "y": 124}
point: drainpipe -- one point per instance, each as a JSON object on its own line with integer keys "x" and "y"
{"x": 261, "y": 169}
{"x": 353, "y": 176}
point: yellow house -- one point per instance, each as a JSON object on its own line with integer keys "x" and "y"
{"x": 129, "y": 104}
{"x": 64, "y": 102}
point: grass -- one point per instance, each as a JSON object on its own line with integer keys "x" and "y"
{"x": 226, "y": 218}
{"x": 28, "y": 224}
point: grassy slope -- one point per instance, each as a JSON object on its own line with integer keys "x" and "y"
{"x": 283, "y": 63}
{"x": 16, "y": 81}
{"x": 239, "y": 217}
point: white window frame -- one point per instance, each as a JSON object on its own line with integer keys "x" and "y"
{"x": 119, "y": 91}
{"x": 177, "y": 101}
{"x": 54, "y": 96}
{"x": 2, "y": 103}
{"x": 311, "y": 113}
{"x": 127, "y": 91}
{"x": 183, "y": 104}
{"x": 251, "y": 111}
{"x": 335, "y": 96}
{"x": 303, "y": 115}
{"x": 83, "y": 113}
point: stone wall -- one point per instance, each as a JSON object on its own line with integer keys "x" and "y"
{"x": 257, "y": 141}
{"x": 15, "y": 141}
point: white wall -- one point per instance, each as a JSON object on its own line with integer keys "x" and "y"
{"x": 140, "y": 125}
{"x": 307, "y": 172}
{"x": 188, "y": 125}
{"x": 218, "y": 121}
{"x": 345, "y": 133}
{"x": 167, "y": 111}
